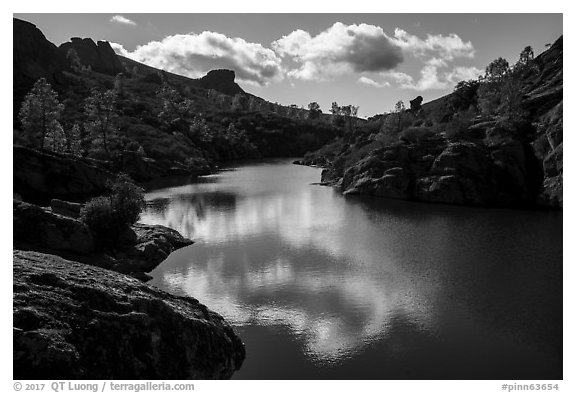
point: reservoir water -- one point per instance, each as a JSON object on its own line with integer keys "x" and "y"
{"x": 324, "y": 286}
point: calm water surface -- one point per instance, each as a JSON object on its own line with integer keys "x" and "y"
{"x": 319, "y": 285}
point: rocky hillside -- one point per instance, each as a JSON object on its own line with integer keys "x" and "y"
{"x": 73, "y": 321}
{"x": 161, "y": 123}
{"x": 222, "y": 81}
{"x": 35, "y": 57}
{"x": 449, "y": 151}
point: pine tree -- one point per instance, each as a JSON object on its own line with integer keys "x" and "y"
{"x": 74, "y": 60}
{"x": 100, "y": 108}
{"x": 41, "y": 110}
{"x": 119, "y": 84}
{"x": 174, "y": 106}
{"x": 56, "y": 139}
{"x": 314, "y": 111}
{"x": 73, "y": 140}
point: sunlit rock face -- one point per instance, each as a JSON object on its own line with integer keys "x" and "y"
{"x": 73, "y": 321}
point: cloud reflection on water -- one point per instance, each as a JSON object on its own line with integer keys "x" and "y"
{"x": 296, "y": 259}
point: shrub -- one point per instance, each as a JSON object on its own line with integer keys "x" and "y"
{"x": 415, "y": 134}
{"x": 98, "y": 214}
{"x": 107, "y": 215}
{"x": 457, "y": 127}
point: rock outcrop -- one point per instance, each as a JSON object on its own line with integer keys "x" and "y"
{"x": 144, "y": 247}
{"x": 38, "y": 228}
{"x": 138, "y": 250}
{"x": 222, "y": 81}
{"x": 34, "y": 57}
{"x": 43, "y": 175}
{"x": 99, "y": 56}
{"x": 435, "y": 171}
{"x": 73, "y": 321}
{"x": 489, "y": 162}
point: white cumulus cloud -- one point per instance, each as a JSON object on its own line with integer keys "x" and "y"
{"x": 193, "y": 55}
{"x": 430, "y": 78}
{"x": 371, "y": 82}
{"x": 339, "y": 50}
{"x": 446, "y": 47}
{"x": 463, "y": 73}
{"x": 122, "y": 20}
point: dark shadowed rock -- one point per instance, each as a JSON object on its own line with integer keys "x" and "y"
{"x": 34, "y": 57}
{"x": 73, "y": 321}
{"x": 146, "y": 246}
{"x": 43, "y": 175}
{"x": 39, "y": 228}
{"x": 416, "y": 104}
{"x": 138, "y": 249}
{"x": 222, "y": 81}
{"x": 100, "y": 57}
{"x": 65, "y": 208}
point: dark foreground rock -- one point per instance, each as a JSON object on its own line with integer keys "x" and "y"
{"x": 38, "y": 228}
{"x": 146, "y": 247}
{"x": 73, "y": 321}
{"x": 139, "y": 249}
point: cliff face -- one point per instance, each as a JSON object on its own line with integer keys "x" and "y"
{"x": 488, "y": 163}
{"x": 73, "y": 321}
{"x": 100, "y": 57}
{"x": 34, "y": 57}
{"x": 544, "y": 100}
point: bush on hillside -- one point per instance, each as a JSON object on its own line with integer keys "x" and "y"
{"x": 107, "y": 215}
{"x": 415, "y": 134}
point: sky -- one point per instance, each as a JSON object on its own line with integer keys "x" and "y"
{"x": 369, "y": 60}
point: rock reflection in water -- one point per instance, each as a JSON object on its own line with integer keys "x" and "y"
{"x": 350, "y": 284}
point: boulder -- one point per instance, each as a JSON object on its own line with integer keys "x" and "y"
{"x": 442, "y": 189}
{"x": 72, "y": 321}
{"x": 65, "y": 208}
{"x": 466, "y": 158}
{"x": 38, "y": 228}
{"x": 416, "y": 104}
{"x": 149, "y": 245}
{"x": 394, "y": 184}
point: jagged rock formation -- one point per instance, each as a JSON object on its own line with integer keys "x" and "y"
{"x": 100, "y": 57}
{"x": 34, "y": 57}
{"x": 73, "y": 321}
